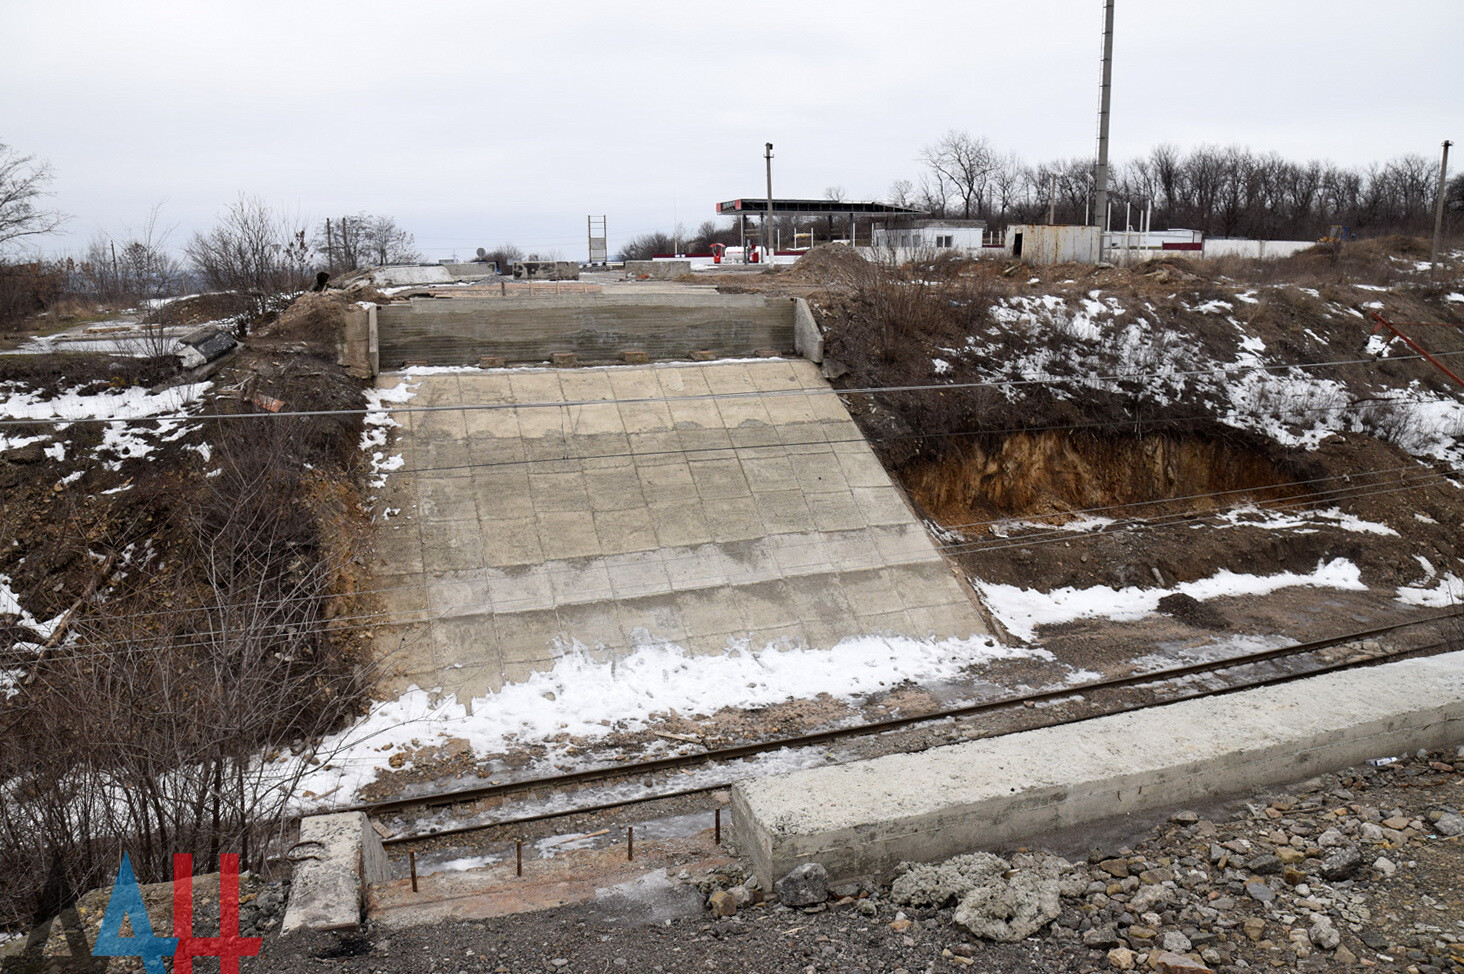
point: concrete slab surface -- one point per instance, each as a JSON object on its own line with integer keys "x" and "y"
{"x": 524, "y": 532}
{"x": 861, "y": 819}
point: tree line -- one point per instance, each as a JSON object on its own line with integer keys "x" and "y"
{"x": 1228, "y": 191}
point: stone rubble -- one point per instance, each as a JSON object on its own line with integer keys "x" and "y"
{"x": 1290, "y": 881}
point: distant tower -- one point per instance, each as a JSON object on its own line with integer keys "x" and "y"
{"x": 599, "y": 251}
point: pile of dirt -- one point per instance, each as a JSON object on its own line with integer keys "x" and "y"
{"x": 199, "y": 309}
{"x": 317, "y": 318}
{"x": 830, "y": 264}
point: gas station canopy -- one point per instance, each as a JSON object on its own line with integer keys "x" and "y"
{"x": 751, "y": 206}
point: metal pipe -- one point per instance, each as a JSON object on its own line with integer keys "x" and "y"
{"x": 1100, "y": 177}
{"x": 412, "y": 859}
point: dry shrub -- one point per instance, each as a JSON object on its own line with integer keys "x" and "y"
{"x": 221, "y": 639}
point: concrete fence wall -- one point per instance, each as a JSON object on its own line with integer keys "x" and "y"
{"x": 658, "y": 270}
{"x": 596, "y": 327}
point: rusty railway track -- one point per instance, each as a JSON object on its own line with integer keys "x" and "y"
{"x": 1006, "y": 703}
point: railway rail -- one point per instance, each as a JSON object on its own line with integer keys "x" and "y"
{"x": 602, "y": 774}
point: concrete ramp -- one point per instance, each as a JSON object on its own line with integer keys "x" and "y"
{"x": 641, "y": 516}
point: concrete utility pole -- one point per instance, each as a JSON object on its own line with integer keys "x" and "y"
{"x": 1433, "y": 254}
{"x": 1100, "y": 201}
{"x": 766, "y": 239}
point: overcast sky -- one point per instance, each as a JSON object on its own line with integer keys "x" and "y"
{"x": 480, "y": 123}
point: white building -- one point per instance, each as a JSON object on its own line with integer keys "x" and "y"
{"x": 912, "y": 239}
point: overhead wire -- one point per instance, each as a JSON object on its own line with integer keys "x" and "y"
{"x": 433, "y": 614}
{"x": 716, "y": 396}
{"x": 1311, "y": 497}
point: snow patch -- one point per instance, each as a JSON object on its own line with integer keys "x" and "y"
{"x": 589, "y": 699}
{"x": 1447, "y": 591}
{"x": 1022, "y": 610}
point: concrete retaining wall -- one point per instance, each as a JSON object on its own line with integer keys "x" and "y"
{"x": 337, "y": 858}
{"x": 359, "y": 350}
{"x": 659, "y": 270}
{"x": 861, "y": 819}
{"x": 473, "y": 270}
{"x": 807, "y": 338}
{"x": 597, "y": 327}
{"x": 545, "y": 270}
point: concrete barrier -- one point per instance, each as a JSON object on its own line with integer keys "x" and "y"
{"x": 807, "y": 338}
{"x": 473, "y": 270}
{"x": 859, "y": 820}
{"x": 337, "y": 858}
{"x": 359, "y": 349}
{"x": 658, "y": 270}
{"x": 545, "y": 270}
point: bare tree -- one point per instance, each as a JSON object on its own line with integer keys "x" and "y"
{"x": 254, "y": 253}
{"x": 133, "y": 265}
{"x": 361, "y": 240}
{"x": 24, "y": 183}
{"x": 504, "y": 256}
{"x": 965, "y": 164}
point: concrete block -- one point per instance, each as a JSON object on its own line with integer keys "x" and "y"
{"x": 702, "y": 355}
{"x": 490, "y": 361}
{"x": 337, "y": 858}
{"x": 546, "y": 270}
{"x": 634, "y": 356}
{"x": 766, "y": 352}
{"x": 807, "y": 338}
{"x": 563, "y": 358}
{"x": 657, "y": 270}
{"x": 860, "y": 819}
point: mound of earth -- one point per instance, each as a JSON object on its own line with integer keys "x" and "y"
{"x": 830, "y": 264}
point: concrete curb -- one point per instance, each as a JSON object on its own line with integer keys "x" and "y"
{"x": 337, "y": 857}
{"x": 859, "y": 820}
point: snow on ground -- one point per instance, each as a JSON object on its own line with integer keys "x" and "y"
{"x": 132, "y": 436}
{"x": 1446, "y": 592}
{"x": 43, "y": 629}
{"x": 377, "y": 426}
{"x": 1105, "y": 346}
{"x": 133, "y": 402}
{"x": 588, "y": 699}
{"x": 1302, "y": 521}
{"x": 1022, "y": 610}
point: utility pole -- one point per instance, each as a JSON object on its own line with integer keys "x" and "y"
{"x": 1100, "y": 201}
{"x": 329, "y": 247}
{"x": 1433, "y": 254}
{"x": 766, "y": 238}
{"x": 1052, "y": 201}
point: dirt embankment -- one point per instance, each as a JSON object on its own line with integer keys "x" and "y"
{"x": 1157, "y": 397}
{"x": 188, "y": 575}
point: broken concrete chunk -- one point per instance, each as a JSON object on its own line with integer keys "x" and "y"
{"x": 805, "y": 885}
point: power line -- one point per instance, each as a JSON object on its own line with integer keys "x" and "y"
{"x": 718, "y": 396}
{"x": 494, "y": 605}
{"x": 1310, "y": 497}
